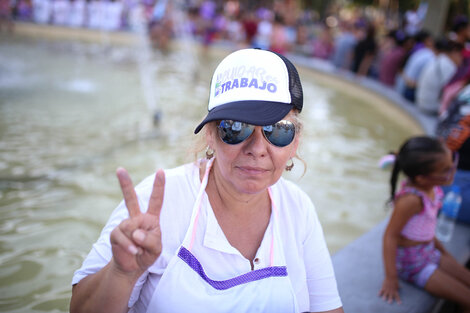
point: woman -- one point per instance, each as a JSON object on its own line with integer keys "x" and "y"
{"x": 227, "y": 234}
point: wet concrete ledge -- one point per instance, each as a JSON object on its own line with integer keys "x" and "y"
{"x": 360, "y": 273}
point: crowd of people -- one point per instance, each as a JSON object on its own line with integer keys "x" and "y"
{"x": 425, "y": 70}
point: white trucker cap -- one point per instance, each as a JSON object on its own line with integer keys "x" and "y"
{"x": 253, "y": 86}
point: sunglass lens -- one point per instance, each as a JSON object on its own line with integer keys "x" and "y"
{"x": 280, "y": 134}
{"x": 233, "y": 132}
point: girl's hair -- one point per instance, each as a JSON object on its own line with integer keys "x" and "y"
{"x": 416, "y": 156}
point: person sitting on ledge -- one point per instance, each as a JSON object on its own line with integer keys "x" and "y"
{"x": 410, "y": 249}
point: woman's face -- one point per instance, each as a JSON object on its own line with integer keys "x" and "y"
{"x": 252, "y": 165}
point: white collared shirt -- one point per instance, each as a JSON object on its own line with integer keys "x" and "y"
{"x": 434, "y": 76}
{"x": 308, "y": 261}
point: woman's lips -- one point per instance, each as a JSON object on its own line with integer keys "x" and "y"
{"x": 252, "y": 170}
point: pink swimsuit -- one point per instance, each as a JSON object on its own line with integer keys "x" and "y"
{"x": 416, "y": 264}
{"x": 421, "y": 227}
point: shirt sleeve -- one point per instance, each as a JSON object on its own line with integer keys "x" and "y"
{"x": 321, "y": 281}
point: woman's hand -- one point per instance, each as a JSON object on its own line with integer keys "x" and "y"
{"x": 389, "y": 291}
{"x": 137, "y": 241}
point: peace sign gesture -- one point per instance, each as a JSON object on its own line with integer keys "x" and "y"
{"x": 137, "y": 241}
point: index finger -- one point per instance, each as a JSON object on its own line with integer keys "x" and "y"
{"x": 128, "y": 191}
{"x": 156, "y": 197}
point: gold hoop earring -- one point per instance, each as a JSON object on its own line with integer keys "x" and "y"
{"x": 290, "y": 166}
{"x": 209, "y": 153}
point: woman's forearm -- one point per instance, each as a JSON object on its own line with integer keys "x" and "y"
{"x": 106, "y": 291}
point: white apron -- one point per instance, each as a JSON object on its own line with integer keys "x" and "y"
{"x": 185, "y": 287}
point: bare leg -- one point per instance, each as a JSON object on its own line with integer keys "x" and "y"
{"x": 450, "y": 265}
{"x": 443, "y": 285}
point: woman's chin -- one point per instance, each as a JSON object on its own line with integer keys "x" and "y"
{"x": 251, "y": 188}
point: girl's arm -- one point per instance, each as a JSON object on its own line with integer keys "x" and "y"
{"x": 405, "y": 207}
{"x": 439, "y": 246}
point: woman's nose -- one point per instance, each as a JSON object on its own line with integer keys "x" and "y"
{"x": 256, "y": 144}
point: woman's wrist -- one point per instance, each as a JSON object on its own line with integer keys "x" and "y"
{"x": 129, "y": 277}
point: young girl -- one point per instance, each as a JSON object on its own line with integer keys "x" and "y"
{"x": 410, "y": 249}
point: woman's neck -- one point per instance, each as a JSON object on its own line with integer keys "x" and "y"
{"x": 242, "y": 217}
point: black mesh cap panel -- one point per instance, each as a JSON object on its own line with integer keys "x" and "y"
{"x": 295, "y": 86}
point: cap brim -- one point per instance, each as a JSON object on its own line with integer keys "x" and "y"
{"x": 260, "y": 113}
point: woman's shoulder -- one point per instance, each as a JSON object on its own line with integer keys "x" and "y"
{"x": 293, "y": 198}
{"x": 299, "y": 217}
{"x": 409, "y": 199}
{"x": 289, "y": 189}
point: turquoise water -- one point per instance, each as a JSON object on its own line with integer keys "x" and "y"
{"x": 72, "y": 112}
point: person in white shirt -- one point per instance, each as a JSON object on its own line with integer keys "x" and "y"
{"x": 407, "y": 81}
{"x": 226, "y": 233}
{"x": 436, "y": 74}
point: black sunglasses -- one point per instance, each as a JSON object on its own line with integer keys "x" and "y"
{"x": 280, "y": 134}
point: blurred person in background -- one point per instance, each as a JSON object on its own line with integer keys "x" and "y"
{"x": 323, "y": 45}
{"x": 6, "y": 15}
{"x": 235, "y": 31}
{"x": 279, "y": 41}
{"x": 414, "y": 18}
{"x": 24, "y": 9}
{"x": 461, "y": 33}
{"x": 264, "y": 30}
{"x": 408, "y": 79}
{"x": 161, "y": 25}
{"x": 391, "y": 63}
{"x": 344, "y": 44}
{"x": 436, "y": 74}
{"x": 250, "y": 27}
{"x": 207, "y": 12}
{"x": 365, "y": 52}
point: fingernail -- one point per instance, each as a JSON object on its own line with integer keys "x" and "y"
{"x": 138, "y": 235}
{"x": 133, "y": 250}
